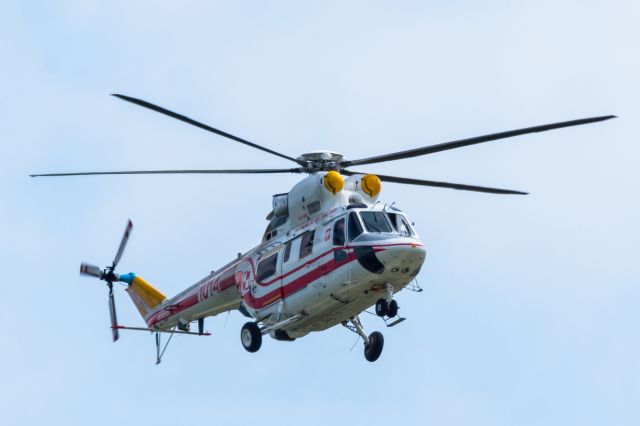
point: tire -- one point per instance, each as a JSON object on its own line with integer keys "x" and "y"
{"x": 251, "y": 337}
{"x": 373, "y": 350}
{"x": 382, "y": 307}
{"x": 392, "y": 311}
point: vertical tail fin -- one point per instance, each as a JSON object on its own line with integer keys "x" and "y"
{"x": 144, "y": 295}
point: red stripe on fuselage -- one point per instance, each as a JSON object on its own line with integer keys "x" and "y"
{"x": 376, "y": 248}
{"x": 286, "y": 289}
{"x": 299, "y": 283}
{"x": 173, "y": 309}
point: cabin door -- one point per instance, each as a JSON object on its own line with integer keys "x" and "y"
{"x": 290, "y": 264}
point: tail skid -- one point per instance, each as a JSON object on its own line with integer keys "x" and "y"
{"x": 148, "y": 299}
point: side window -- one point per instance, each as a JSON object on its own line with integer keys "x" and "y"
{"x": 400, "y": 224}
{"x": 338, "y": 233}
{"x": 404, "y": 228}
{"x": 287, "y": 252}
{"x": 306, "y": 245}
{"x": 266, "y": 267}
{"x": 355, "y": 228}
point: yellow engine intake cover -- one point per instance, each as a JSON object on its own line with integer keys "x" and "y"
{"x": 371, "y": 185}
{"x": 333, "y": 181}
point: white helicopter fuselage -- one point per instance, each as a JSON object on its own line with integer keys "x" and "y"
{"x": 326, "y": 256}
{"x": 330, "y": 251}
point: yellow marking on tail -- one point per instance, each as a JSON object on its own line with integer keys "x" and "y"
{"x": 151, "y": 296}
{"x": 144, "y": 295}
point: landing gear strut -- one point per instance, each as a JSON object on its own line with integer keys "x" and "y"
{"x": 251, "y": 337}
{"x": 373, "y": 343}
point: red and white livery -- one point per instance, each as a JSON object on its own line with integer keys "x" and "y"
{"x": 330, "y": 251}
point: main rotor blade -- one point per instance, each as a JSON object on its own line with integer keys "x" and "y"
{"x": 123, "y": 244}
{"x": 193, "y": 122}
{"x": 459, "y": 186}
{"x": 472, "y": 141}
{"x": 158, "y": 172}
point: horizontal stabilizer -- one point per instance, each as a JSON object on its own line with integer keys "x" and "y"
{"x": 156, "y": 330}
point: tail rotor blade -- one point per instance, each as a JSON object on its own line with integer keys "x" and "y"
{"x": 114, "y": 319}
{"x": 123, "y": 243}
{"x": 89, "y": 269}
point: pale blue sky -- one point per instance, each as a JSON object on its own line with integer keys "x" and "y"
{"x": 530, "y": 309}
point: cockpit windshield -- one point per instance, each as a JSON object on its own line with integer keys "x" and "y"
{"x": 375, "y": 221}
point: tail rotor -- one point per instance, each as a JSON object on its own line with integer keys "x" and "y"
{"x": 112, "y": 313}
{"x": 90, "y": 270}
{"x": 109, "y": 276}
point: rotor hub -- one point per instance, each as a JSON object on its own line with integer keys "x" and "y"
{"x": 317, "y": 161}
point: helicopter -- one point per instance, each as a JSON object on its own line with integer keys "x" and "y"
{"x": 331, "y": 250}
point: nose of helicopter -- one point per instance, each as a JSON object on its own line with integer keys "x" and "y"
{"x": 392, "y": 257}
{"x": 402, "y": 258}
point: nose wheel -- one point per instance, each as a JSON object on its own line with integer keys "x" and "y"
{"x": 382, "y": 307}
{"x": 392, "y": 311}
{"x": 388, "y": 309}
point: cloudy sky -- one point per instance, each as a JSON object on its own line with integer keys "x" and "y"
{"x": 530, "y": 310}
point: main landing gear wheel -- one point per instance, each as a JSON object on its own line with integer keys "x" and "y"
{"x": 382, "y": 307}
{"x": 373, "y": 350}
{"x": 392, "y": 311}
{"x": 251, "y": 337}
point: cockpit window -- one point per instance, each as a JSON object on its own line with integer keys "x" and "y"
{"x": 400, "y": 224}
{"x": 338, "y": 233}
{"x": 375, "y": 221}
{"x": 404, "y": 228}
{"x": 355, "y": 228}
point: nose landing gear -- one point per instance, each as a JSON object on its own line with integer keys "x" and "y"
{"x": 392, "y": 311}
{"x": 382, "y": 307}
{"x": 387, "y": 307}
